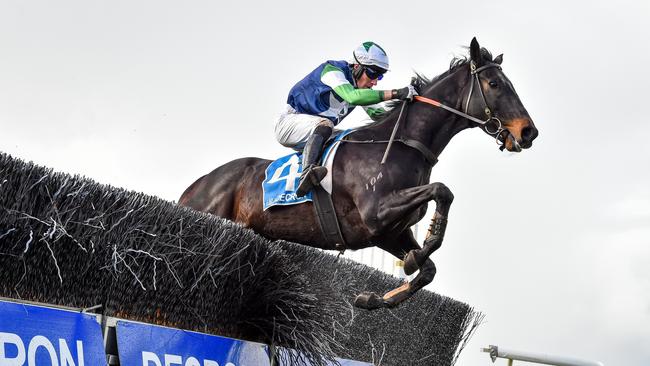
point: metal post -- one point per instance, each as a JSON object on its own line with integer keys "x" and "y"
{"x": 499, "y": 352}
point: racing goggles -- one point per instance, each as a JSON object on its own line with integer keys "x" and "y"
{"x": 374, "y": 74}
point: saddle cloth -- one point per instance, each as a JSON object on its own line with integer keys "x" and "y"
{"x": 283, "y": 175}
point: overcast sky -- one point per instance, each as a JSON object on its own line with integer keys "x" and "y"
{"x": 552, "y": 244}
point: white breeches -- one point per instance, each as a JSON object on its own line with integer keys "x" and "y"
{"x": 292, "y": 129}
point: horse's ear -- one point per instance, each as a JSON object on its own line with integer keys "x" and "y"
{"x": 475, "y": 51}
{"x": 499, "y": 59}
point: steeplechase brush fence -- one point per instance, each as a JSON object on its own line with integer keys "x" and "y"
{"x": 67, "y": 240}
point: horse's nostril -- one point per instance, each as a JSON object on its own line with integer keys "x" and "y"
{"x": 528, "y": 134}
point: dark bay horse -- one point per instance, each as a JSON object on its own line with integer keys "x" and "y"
{"x": 376, "y": 203}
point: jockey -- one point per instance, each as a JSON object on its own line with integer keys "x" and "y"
{"x": 324, "y": 97}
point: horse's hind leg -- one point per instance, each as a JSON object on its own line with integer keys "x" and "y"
{"x": 216, "y": 192}
{"x": 403, "y": 244}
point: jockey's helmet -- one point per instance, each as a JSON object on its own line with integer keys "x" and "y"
{"x": 371, "y": 54}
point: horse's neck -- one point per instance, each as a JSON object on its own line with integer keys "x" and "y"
{"x": 434, "y": 127}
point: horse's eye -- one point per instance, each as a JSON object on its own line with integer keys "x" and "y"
{"x": 493, "y": 84}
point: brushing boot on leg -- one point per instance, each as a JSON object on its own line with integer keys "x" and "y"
{"x": 312, "y": 173}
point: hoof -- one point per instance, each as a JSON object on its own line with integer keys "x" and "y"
{"x": 369, "y": 301}
{"x": 410, "y": 263}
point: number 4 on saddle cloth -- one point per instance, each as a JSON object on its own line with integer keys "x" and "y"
{"x": 282, "y": 176}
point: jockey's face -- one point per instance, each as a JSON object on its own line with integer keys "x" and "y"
{"x": 364, "y": 82}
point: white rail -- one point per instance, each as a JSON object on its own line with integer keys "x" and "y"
{"x": 545, "y": 359}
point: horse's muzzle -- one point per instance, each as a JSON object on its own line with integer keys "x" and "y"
{"x": 528, "y": 134}
{"x": 512, "y": 144}
{"x": 519, "y": 135}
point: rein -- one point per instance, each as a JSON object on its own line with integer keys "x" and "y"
{"x": 417, "y": 145}
{"x": 474, "y": 72}
{"x": 436, "y": 103}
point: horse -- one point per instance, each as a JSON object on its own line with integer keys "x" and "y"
{"x": 377, "y": 202}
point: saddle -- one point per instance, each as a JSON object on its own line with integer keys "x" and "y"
{"x": 281, "y": 181}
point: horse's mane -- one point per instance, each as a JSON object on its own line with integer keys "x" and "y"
{"x": 422, "y": 82}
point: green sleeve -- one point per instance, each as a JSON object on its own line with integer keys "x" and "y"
{"x": 335, "y": 78}
{"x": 375, "y": 112}
{"x": 358, "y": 96}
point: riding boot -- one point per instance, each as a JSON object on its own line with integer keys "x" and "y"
{"x": 312, "y": 173}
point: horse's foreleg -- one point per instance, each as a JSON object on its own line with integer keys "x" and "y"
{"x": 400, "y": 203}
{"x": 403, "y": 202}
{"x": 417, "y": 257}
{"x": 404, "y": 244}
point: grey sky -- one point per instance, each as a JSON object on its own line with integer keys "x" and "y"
{"x": 553, "y": 244}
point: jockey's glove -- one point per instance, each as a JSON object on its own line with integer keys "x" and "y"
{"x": 405, "y": 93}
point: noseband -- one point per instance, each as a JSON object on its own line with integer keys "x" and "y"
{"x": 474, "y": 74}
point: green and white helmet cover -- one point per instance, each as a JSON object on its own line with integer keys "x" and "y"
{"x": 371, "y": 54}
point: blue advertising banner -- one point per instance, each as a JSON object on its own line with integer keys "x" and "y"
{"x": 40, "y": 336}
{"x": 150, "y": 345}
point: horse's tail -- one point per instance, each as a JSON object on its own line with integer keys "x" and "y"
{"x": 216, "y": 192}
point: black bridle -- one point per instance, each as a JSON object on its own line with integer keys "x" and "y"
{"x": 499, "y": 129}
{"x": 428, "y": 155}
{"x": 474, "y": 74}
